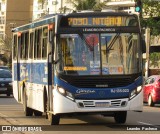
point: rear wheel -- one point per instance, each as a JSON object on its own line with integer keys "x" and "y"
{"x": 120, "y": 117}
{"x": 8, "y": 94}
{"x": 27, "y": 111}
{"x": 150, "y": 101}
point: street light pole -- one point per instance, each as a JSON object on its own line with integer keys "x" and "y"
{"x": 147, "y": 40}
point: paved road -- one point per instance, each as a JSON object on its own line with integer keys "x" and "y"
{"x": 11, "y": 113}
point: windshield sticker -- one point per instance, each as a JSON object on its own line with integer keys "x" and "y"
{"x": 95, "y": 70}
{"x": 95, "y": 64}
{"x": 95, "y": 67}
{"x": 75, "y": 68}
{"x": 105, "y": 70}
{"x": 115, "y": 70}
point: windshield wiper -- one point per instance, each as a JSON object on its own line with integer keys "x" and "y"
{"x": 109, "y": 47}
{"x": 112, "y": 43}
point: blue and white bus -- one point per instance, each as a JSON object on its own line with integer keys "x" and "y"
{"x": 75, "y": 63}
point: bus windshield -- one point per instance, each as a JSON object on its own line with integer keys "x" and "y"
{"x": 99, "y": 54}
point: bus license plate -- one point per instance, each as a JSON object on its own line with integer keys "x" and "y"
{"x": 102, "y": 104}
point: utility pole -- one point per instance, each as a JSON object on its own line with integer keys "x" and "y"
{"x": 147, "y": 40}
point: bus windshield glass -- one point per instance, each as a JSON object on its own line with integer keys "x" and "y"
{"x": 99, "y": 54}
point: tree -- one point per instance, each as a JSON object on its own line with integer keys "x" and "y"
{"x": 151, "y": 16}
{"x": 6, "y": 47}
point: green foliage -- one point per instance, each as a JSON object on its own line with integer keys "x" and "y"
{"x": 6, "y": 46}
{"x": 154, "y": 58}
{"x": 4, "y": 59}
{"x": 151, "y": 14}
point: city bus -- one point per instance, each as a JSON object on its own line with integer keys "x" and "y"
{"x": 77, "y": 64}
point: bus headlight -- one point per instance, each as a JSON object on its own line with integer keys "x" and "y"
{"x": 135, "y": 92}
{"x": 66, "y": 93}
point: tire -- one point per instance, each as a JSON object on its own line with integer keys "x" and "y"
{"x": 120, "y": 117}
{"x": 150, "y": 101}
{"x": 47, "y": 109}
{"x": 37, "y": 113}
{"x": 27, "y": 111}
{"x": 46, "y": 104}
{"x": 54, "y": 119}
{"x": 8, "y": 94}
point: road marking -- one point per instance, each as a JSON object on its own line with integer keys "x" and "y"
{"x": 145, "y": 123}
{"x": 148, "y": 124}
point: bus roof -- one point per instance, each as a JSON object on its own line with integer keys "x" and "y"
{"x": 43, "y": 21}
{"x": 51, "y": 18}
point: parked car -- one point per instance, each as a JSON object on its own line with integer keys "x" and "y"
{"x": 5, "y": 82}
{"x": 151, "y": 90}
{"x": 5, "y": 67}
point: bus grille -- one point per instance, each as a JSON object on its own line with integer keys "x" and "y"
{"x": 101, "y": 82}
{"x": 113, "y": 103}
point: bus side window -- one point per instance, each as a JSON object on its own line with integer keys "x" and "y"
{"x": 22, "y": 54}
{"x": 44, "y": 42}
{"x": 15, "y": 47}
{"x": 26, "y": 44}
{"x": 31, "y": 46}
{"x": 37, "y": 44}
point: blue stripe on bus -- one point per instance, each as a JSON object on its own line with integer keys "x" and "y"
{"x": 100, "y": 93}
{"x": 34, "y": 73}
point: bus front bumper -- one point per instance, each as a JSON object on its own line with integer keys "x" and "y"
{"x": 62, "y": 105}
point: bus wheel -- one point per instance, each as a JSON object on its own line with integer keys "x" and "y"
{"x": 54, "y": 119}
{"x": 8, "y": 94}
{"x": 27, "y": 111}
{"x": 150, "y": 101}
{"x": 37, "y": 113}
{"x": 120, "y": 117}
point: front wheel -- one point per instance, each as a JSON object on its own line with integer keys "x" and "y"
{"x": 54, "y": 119}
{"x": 120, "y": 117}
{"x": 8, "y": 94}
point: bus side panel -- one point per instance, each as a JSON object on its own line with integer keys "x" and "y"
{"x": 16, "y": 78}
{"x": 36, "y": 83}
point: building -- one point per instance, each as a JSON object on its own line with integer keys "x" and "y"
{"x": 43, "y": 7}
{"x": 13, "y": 13}
{"x": 17, "y": 14}
{"x": 2, "y": 17}
{"x": 126, "y": 5}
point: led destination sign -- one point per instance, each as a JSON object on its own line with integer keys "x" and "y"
{"x": 97, "y": 22}
{"x": 104, "y": 21}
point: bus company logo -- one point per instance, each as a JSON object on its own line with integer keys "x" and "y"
{"x": 85, "y": 91}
